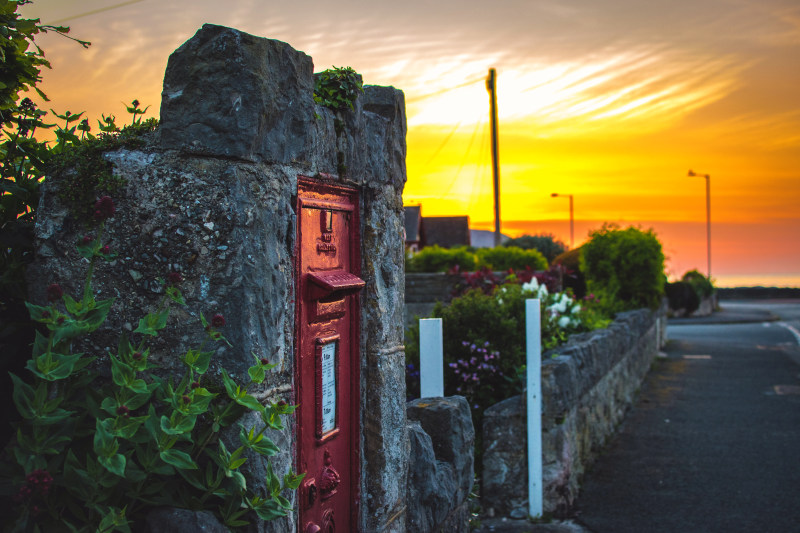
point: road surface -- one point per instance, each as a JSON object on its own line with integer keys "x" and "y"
{"x": 713, "y": 444}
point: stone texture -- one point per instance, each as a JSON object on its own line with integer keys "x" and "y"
{"x": 587, "y": 386}
{"x": 230, "y": 94}
{"x": 448, "y": 421}
{"x": 213, "y": 197}
{"x": 431, "y": 484}
{"x": 172, "y": 520}
{"x": 441, "y": 473}
{"x": 505, "y": 467}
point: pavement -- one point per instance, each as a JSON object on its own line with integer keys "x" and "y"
{"x": 728, "y": 313}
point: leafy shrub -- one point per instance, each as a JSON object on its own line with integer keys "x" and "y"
{"x": 547, "y": 243}
{"x": 682, "y": 296}
{"x": 507, "y": 258}
{"x": 437, "y": 259}
{"x": 95, "y": 453}
{"x": 337, "y": 87}
{"x": 572, "y": 277}
{"x": 700, "y": 283}
{"x": 624, "y": 268}
{"x": 496, "y": 322}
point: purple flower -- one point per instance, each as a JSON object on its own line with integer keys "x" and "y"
{"x": 54, "y": 292}
{"x": 104, "y": 208}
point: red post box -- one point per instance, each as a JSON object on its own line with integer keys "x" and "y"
{"x": 328, "y": 356}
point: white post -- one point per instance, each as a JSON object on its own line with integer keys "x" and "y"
{"x": 533, "y": 345}
{"x": 431, "y": 358}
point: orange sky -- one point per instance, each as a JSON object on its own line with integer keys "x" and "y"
{"x": 612, "y": 101}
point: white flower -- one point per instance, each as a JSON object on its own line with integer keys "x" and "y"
{"x": 576, "y": 309}
{"x": 531, "y": 286}
{"x": 563, "y": 322}
{"x": 500, "y": 301}
{"x": 543, "y": 292}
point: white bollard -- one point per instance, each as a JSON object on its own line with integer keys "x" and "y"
{"x": 431, "y": 358}
{"x": 533, "y": 345}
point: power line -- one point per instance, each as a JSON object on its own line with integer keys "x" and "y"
{"x": 95, "y": 11}
{"x": 464, "y": 158}
{"x": 449, "y": 135}
{"x": 442, "y": 91}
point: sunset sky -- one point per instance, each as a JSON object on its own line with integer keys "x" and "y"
{"x": 612, "y": 101}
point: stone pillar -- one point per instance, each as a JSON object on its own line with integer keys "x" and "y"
{"x": 212, "y": 195}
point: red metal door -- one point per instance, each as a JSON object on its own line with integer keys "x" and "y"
{"x": 327, "y": 377}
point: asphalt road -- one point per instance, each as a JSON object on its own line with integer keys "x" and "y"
{"x": 713, "y": 444}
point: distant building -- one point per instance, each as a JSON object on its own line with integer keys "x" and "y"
{"x": 442, "y": 231}
{"x": 413, "y": 228}
{"x": 483, "y": 238}
{"x": 446, "y": 232}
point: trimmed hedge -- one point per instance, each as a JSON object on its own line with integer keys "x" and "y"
{"x": 624, "y": 268}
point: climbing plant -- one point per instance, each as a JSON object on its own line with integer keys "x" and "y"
{"x": 337, "y": 88}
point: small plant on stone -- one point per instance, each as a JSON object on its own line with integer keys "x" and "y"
{"x": 95, "y": 451}
{"x": 337, "y": 88}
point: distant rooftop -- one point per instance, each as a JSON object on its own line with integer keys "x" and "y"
{"x": 445, "y": 231}
{"x": 482, "y": 238}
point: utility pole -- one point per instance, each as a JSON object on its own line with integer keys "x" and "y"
{"x": 491, "y": 86}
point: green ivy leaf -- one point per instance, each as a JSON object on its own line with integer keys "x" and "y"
{"x": 178, "y": 459}
{"x": 175, "y": 295}
{"x": 114, "y": 520}
{"x": 23, "y": 397}
{"x": 198, "y": 360}
{"x": 257, "y": 373}
{"x": 114, "y": 464}
{"x": 126, "y": 428}
{"x": 39, "y": 313}
{"x": 122, "y": 374}
{"x": 153, "y": 323}
{"x": 53, "y": 366}
{"x": 105, "y": 445}
{"x": 177, "y": 424}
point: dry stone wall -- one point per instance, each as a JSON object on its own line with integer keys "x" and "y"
{"x": 587, "y": 387}
{"x": 213, "y": 197}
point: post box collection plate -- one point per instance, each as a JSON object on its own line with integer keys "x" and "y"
{"x": 327, "y": 377}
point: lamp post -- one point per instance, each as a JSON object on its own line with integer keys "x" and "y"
{"x": 571, "y": 218}
{"x": 692, "y": 174}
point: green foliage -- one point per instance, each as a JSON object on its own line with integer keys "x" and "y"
{"x": 96, "y": 453}
{"x": 22, "y": 58}
{"x": 79, "y": 160}
{"x": 547, "y": 243}
{"x": 511, "y": 258}
{"x": 572, "y": 277}
{"x": 477, "y": 325}
{"x": 702, "y": 285}
{"x": 624, "y": 268}
{"x": 23, "y": 162}
{"x": 337, "y": 88}
{"x": 682, "y": 296}
{"x": 437, "y": 259}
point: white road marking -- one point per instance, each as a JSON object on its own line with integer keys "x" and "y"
{"x": 792, "y": 330}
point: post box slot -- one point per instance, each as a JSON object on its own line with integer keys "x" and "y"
{"x": 330, "y": 307}
{"x": 325, "y": 284}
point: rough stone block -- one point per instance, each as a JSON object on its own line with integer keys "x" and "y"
{"x": 230, "y": 94}
{"x": 448, "y": 421}
{"x": 504, "y": 478}
{"x": 431, "y": 484}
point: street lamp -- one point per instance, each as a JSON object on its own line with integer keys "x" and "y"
{"x": 692, "y": 174}
{"x": 571, "y": 219}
